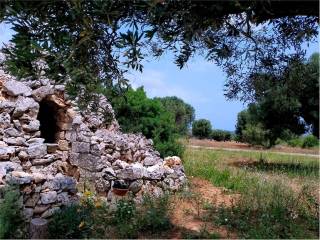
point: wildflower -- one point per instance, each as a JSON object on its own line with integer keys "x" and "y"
{"x": 98, "y": 204}
{"x": 81, "y": 224}
{"x": 88, "y": 193}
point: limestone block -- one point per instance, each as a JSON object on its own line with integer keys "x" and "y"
{"x": 32, "y": 126}
{"x": 19, "y": 177}
{"x": 80, "y": 147}
{"x": 63, "y": 145}
{"x": 26, "y": 104}
{"x": 41, "y": 92}
{"x": 37, "y": 150}
{"x": 48, "y": 197}
{"x": 6, "y": 152}
{"x": 15, "y": 88}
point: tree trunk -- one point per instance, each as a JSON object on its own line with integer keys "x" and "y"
{"x": 38, "y": 228}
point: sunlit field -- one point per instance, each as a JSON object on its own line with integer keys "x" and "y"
{"x": 278, "y": 194}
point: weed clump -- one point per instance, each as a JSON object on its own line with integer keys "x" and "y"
{"x": 91, "y": 218}
{"x": 271, "y": 211}
{"x": 11, "y": 220}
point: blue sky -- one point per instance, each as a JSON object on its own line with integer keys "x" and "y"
{"x": 199, "y": 84}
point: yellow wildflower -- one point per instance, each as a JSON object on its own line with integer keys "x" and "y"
{"x": 81, "y": 224}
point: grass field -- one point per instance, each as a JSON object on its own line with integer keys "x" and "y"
{"x": 279, "y": 194}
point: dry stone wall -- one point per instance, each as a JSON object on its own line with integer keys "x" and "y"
{"x": 48, "y": 147}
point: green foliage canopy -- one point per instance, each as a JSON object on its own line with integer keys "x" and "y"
{"x": 220, "y": 135}
{"x": 136, "y": 112}
{"x": 89, "y": 43}
{"x": 285, "y": 104}
{"x": 201, "y": 128}
{"x": 184, "y": 113}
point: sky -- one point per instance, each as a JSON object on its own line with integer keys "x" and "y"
{"x": 200, "y": 84}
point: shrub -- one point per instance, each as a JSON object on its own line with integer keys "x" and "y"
{"x": 70, "y": 222}
{"x": 11, "y": 220}
{"x": 256, "y": 135}
{"x": 304, "y": 142}
{"x": 183, "y": 113}
{"x": 310, "y": 141}
{"x": 136, "y": 113}
{"x": 169, "y": 148}
{"x": 154, "y": 216}
{"x": 201, "y": 128}
{"x": 124, "y": 219}
{"x": 295, "y": 142}
{"x": 220, "y": 135}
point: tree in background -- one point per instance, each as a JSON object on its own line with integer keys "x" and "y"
{"x": 201, "y": 128}
{"x": 220, "y": 135}
{"x": 136, "y": 113}
{"x": 184, "y": 113}
{"x": 286, "y": 104}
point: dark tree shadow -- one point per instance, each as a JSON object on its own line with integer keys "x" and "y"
{"x": 290, "y": 168}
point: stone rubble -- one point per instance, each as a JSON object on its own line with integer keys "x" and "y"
{"x": 85, "y": 150}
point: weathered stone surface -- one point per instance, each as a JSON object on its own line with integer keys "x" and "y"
{"x": 23, "y": 105}
{"x": 4, "y": 120}
{"x": 19, "y": 177}
{"x": 41, "y": 92}
{"x": 32, "y": 200}
{"x": 38, "y": 177}
{"x": 35, "y": 141}
{"x": 132, "y": 172}
{"x": 12, "y": 132}
{"x": 6, "y": 167}
{"x": 32, "y": 126}
{"x": 39, "y": 209}
{"x": 15, "y": 88}
{"x": 108, "y": 174}
{"x": 28, "y": 212}
{"x": 172, "y": 161}
{"x": 18, "y": 141}
{"x": 23, "y": 155}
{"x": 50, "y": 212}
{"x": 150, "y": 161}
{"x": 42, "y": 161}
{"x": 63, "y": 198}
{"x": 57, "y": 100}
{"x": 155, "y": 172}
{"x": 80, "y": 147}
{"x": 37, "y": 150}
{"x": 48, "y": 197}
{"x": 6, "y": 152}
{"x": 63, "y": 145}
{"x": 102, "y": 185}
{"x": 136, "y": 186}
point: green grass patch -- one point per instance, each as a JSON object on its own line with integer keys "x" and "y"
{"x": 215, "y": 165}
{"x": 268, "y": 207}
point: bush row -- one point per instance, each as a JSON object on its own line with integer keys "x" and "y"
{"x": 309, "y": 141}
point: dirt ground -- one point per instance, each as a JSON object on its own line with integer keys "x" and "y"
{"x": 187, "y": 211}
{"x": 244, "y": 146}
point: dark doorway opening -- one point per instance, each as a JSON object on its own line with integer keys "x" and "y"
{"x": 48, "y": 120}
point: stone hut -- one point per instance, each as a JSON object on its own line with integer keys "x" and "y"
{"x": 49, "y": 148}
